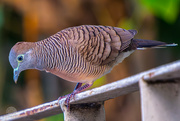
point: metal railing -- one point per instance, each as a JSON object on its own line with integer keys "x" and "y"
{"x": 159, "y": 89}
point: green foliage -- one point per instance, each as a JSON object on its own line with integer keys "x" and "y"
{"x": 167, "y": 10}
{"x": 1, "y": 19}
{"x": 58, "y": 117}
{"x": 1, "y": 16}
{"x": 127, "y": 23}
{"x": 99, "y": 82}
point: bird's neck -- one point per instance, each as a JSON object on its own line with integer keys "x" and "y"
{"x": 46, "y": 55}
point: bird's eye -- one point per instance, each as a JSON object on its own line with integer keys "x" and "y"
{"x": 20, "y": 58}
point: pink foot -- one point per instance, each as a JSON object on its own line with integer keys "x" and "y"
{"x": 72, "y": 95}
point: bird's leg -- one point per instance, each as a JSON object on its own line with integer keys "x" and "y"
{"x": 65, "y": 96}
{"x": 78, "y": 85}
{"x": 61, "y": 97}
{"x": 78, "y": 90}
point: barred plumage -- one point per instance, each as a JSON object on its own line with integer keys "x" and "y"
{"x": 94, "y": 47}
{"x": 83, "y": 53}
{"x": 79, "y": 54}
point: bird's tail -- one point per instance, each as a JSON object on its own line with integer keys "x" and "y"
{"x": 142, "y": 44}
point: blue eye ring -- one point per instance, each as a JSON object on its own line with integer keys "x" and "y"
{"x": 20, "y": 58}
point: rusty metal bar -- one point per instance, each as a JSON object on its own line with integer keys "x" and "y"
{"x": 99, "y": 94}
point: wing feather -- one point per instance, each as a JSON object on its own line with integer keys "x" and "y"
{"x": 100, "y": 44}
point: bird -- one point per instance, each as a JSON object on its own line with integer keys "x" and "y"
{"x": 79, "y": 54}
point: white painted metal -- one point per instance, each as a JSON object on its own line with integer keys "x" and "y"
{"x": 160, "y": 101}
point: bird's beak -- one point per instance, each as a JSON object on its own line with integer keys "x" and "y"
{"x": 16, "y": 74}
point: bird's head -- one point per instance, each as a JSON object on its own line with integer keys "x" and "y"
{"x": 21, "y": 57}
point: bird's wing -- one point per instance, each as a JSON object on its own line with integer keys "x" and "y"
{"x": 100, "y": 44}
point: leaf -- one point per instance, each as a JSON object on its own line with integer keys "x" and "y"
{"x": 167, "y": 10}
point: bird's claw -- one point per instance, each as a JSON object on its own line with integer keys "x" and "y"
{"x": 68, "y": 98}
{"x": 61, "y": 97}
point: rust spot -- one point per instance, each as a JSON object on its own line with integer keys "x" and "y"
{"x": 56, "y": 103}
{"x": 21, "y": 114}
{"x": 28, "y": 113}
{"x": 41, "y": 108}
{"x": 36, "y": 110}
{"x": 45, "y": 107}
{"x": 151, "y": 74}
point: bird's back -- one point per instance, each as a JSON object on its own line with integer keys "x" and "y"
{"x": 85, "y": 52}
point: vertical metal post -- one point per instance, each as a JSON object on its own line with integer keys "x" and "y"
{"x": 84, "y": 112}
{"x": 160, "y": 100}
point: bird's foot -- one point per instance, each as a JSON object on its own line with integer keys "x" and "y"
{"x": 79, "y": 88}
{"x": 61, "y": 97}
{"x": 65, "y": 96}
{"x": 69, "y": 97}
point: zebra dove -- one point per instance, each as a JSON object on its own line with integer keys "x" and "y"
{"x": 79, "y": 54}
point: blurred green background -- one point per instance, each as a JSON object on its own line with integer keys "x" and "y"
{"x": 33, "y": 20}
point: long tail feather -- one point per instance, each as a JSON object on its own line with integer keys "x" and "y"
{"x": 140, "y": 44}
